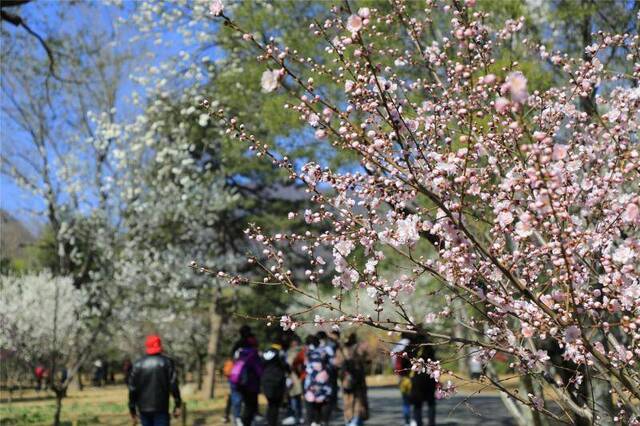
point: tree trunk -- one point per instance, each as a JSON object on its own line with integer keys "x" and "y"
{"x": 533, "y": 417}
{"x": 56, "y": 416}
{"x": 600, "y": 399}
{"x": 460, "y": 332}
{"x": 78, "y": 381}
{"x": 200, "y": 371}
{"x": 215, "y": 320}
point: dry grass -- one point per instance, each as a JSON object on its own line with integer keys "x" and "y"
{"x": 108, "y": 405}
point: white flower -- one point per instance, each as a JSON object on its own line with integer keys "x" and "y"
{"x": 370, "y": 267}
{"x": 505, "y": 218}
{"x": 407, "y": 230}
{"x": 372, "y": 292}
{"x": 400, "y": 62}
{"x": 354, "y": 23}
{"x": 286, "y": 323}
{"x": 623, "y": 254}
{"x": 613, "y": 115}
{"x": 364, "y": 12}
{"x": 216, "y": 7}
{"x": 523, "y": 227}
{"x": 344, "y": 247}
{"x": 348, "y": 85}
{"x": 203, "y": 120}
{"x": 314, "y": 120}
{"x": 269, "y": 80}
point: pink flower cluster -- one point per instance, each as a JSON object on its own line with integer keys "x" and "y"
{"x": 524, "y": 203}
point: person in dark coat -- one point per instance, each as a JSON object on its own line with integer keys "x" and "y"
{"x": 274, "y": 379}
{"x": 245, "y": 375}
{"x": 352, "y": 363}
{"x": 153, "y": 378}
{"x": 423, "y": 386}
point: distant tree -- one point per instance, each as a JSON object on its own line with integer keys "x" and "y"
{"x": 45, "y": 319}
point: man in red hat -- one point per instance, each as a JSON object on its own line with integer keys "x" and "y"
{"x": 153, "y": 377}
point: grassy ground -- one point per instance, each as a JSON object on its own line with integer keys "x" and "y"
{"x": 98, "y": 406}
{"x": 108, "y": 405}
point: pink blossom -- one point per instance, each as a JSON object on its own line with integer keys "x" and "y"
{"x": 523, "y": 227}
{"x": 348, "y": 86}
{"x": 216, "y": 7}
{"x": 517, "y": 86}
{"x": 354, "y": 23}
{"x": 527, "y": 331}
{"x": 631, "y": 213}
{"x": 505, "y": 218}
{"x": 613, "y": 115}
{"x": 430, "y": 318}
{"x": 571, "y": 334}
{"x": 287, "y": 323}
{"x": 489, "y": 79}
{"x": 559, "y": 152}
{"x": 502, "y": 105}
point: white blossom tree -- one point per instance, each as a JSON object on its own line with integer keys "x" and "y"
{"x": 45, "y": 319}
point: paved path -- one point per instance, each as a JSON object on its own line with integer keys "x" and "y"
{"x": 386, "y": 410}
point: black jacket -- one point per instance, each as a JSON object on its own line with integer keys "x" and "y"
{"x": 274, "y": 374}
{"x": 151, "y": 380}
{"x": 423, "y": 387}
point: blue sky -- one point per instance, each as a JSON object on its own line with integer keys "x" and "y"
{"x": 44, "y": 18}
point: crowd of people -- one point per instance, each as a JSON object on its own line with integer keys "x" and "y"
{"x": 308, "y": 378}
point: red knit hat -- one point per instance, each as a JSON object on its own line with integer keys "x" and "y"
{"x": 153, "y": 344}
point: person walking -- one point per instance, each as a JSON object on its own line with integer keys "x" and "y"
{"x": 317, "y": 383}
{"x": 402, "y": 367}
{"x": 152, "y": 379}
{"x": 227, "y": 367}
{"x": 423, "y": 386}
{"x": 97, "y": 372}
{"x": 351, "y": 361}
{"x": 274, "y": 379}
{"x": 38, "y": 372}
{"x": 295, "y": 361}
{"x": 234, "y": 401}
{"x": 330, "y": 345}
{"x": 245, "y": 377}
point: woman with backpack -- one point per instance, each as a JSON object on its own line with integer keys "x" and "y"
{"x": 274, "y": 379}
{"x": 245, "y": 377}
{"x": 402, "y": 367}
{"x": 352, "y": 362}
{"x": 317, "y": 383}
